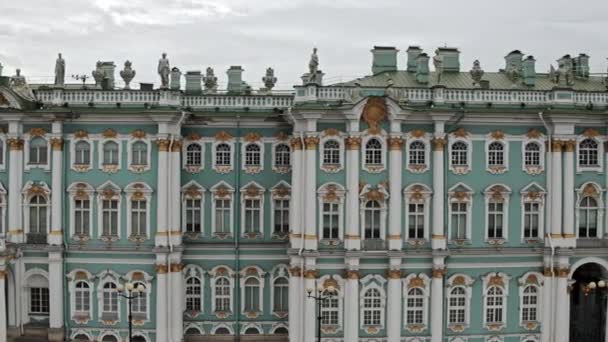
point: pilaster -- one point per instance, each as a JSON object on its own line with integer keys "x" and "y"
{"x": 15, "y": 176}
{"x": 394, "y": 300}
{"x": 568, "y": 193}
{"x": 351, "y": 299}
{"x": 162, "y": 309}
{"x": 547, "y": 299}
{"x": 310, "y": 308}
{"x": 175, "y": 230}
{"x": 352, "y": 237}
{"x": 395, "y": 145}
{"x": 55, "y": 236}
{"x": 3, "y": 304}
{"x": 437, "y": 295}
{"x": 162, "y": 231}
{"x": 56, "y": 324}
{"x": 176, "y": 313}
{"x": 296, "y": 300}
{"x": 297, "y": 187}
{"x": 438, "y": 238}
{"x": 311, "y": 142}
{"x": 556, "y": 189}
{"x": 562, "y": 300}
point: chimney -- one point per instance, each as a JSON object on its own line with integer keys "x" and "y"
{"x": 384, "y": 59}
{"x": 513, "y": 58}
{"x": 449, "y": 59}
{"x": 581, "y": 66}
{"x": 193, "y": 83}
{"x": 528, "y": 71}
{"x": 176, "y": 76}
{"x": 412, "y": 55}
{"x": 108, "y": 72}
{"x": 235, "y": 79}
{"x": 422, "y": 68}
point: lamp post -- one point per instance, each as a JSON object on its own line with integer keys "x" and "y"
{"x": 129, "y": 291}
{"x": 600, "y": 288}
{"x": 321, "y": 296}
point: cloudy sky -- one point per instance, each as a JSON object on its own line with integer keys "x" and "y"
{"x": 281, "y": 33}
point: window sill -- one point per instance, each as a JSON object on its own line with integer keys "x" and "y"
{"x": 252, "y": 235}
{"x": 372, "y": 329}
{"x": 82, "y": 318}
{"x": 139, "y": 168}
{"x": 530, "y": 325}
{"x": 496, "y": 241}
{"x": 281, "y": 314}
{"x": 109, "y": 318}
{"x": 417, "y": 168}
{"x": 138, "y": 238}
{"x": 222, "y": 236}
{"x": 81, "y": 237}
{"x": 415, "y": 328}
{"x": 81, "y": 167}
{"x": 457, "y": 327}
{"x": 330, "y": 242}
{"x": 331, "y": 168}
{"x": 460, "y": 242}
{"x": 252, "y": 314}
{"x": 417, "y": 242}
{"x": 495, "y": 326}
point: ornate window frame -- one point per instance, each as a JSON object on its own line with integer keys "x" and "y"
{"x": 139, "y": 276}
{"x": 460, "y": 193}
{"x": 372, "y": 282}
{"x": 501, "y": 193}
{"x": 35, "y": 133}
{"x": 381, "y": 195}
{"x": 109, "y": 135}
{"x": 193, "y": 191}
{"x": 29, "y": 280}
{"x": 278, "y": 272}
{"x": 466, "y": 283}
{"x": 499, "y": 280}
{"x": 460, "y": 135}
{"x": 193, "y": 140}
{"x": 107, "y": 276}
{"x": 280, "y": 168}
{"x": 594, "y": 135}
{"x": 281, "y": 191}
{"x": 218, "y": 326}
{"x": 80, "y": 191}
{"x": 76, "y": 137}
{"x": 381, "y": 137}
{"x": 81, "y": 332}
{"x": 252, "y": 191}
{"x": 533, "y": 136}
{"x": 422, "y": 282}
{"x": 226, "y": 272}
{"x": 247, "y": 140}
{"x": 500, "y": 138}
{"x": 223, "y": 191}
{"x": 533, "y": 193}
{"x": 108, "y": 191}
{"x": 537, "y": 280}
{"x": 338, "y": 283}
{"x": 418, "y": 135}
{"x": 595, "y": 191}
{"x": 194, "y": 271}
{"x": 31, "y": 189}
{"x": 138, "y": 191}
{"x": 331, "y": 134}
{"x": 139, "y": 136}
{"x": 418, "y": 193}
{"x": 222, "y": 137}
{"x": 75, "y": 276}
{"x": 3, "y": 210}
{"x": 258, "y": 274}
{"x": 331, "y": 193}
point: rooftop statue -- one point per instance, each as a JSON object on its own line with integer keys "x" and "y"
{"x": 59, "y": 71}
{"x": 98, "y": 74}
{"x": 19, "y": 85}
{"x": 164, "y": 70}
{"x": 1, "y": 69}
{"x": 269, "y": 80}
{"x": 565, "y": 71}
{"x": 313, "y": 65}
{"x": 127, "y": 74}
{"x": 513, "y": 73}
{"x": 210, "y": 81}
{"x": 476, "y": 72}
{"x": 437, "y": 63}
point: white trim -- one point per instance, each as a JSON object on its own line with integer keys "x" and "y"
{"x": 497, "y": 169}
{"x": 280, "y": 169}
{"x": 187, "y": 195}
{"x": 277, "y": 272}
{"x": 486, "y": 286}
{"x": 73, "y": 190}
{"x": 222, "y": 325}
{"x": 27, "y": 138}
{"x": 27, "y": 197}
{"x": 426, "y": 140}
{"x": 107, "y": 276}
{"x": 100, "y": 150}
{"x": 331, "y": 168}
{"x": 373, "y": 168}
{"x": 599, "y": 198}
{"x": 3, "y": 210}
{"x": 418, "y": 193}
{"x": 530, "y": 338}
{"x": 275, "y": 196}
{"x": 147, "y": 282}
{"x": 90, "y": 281}
{"x": 339, "y": 295}
{"x": 117, "y": 196}
{"x": 378, "y": 283}
{"x": 541, "y": 143}
{"x": 468, "y": 200}
{"x": 223, "y": 168}
{"x": 467, "y": 286}
{"x": 246, "y": 274}
{"x": 426, "y": 291}
{"x": 194, "y": 271}
{"x": 139, "y": 168}
{"x": 340, "y": 193}
{"x": 146, "y": 191}
{"x": 214, "y": 277}
{"x": 540, "y": 199}
{"x": 383, "y": 209}
{"x": 82, "y": 332}
{"x": 216, "y": 196}
{"x": 252, "y": 169}
{"x": 185, "y": 165}
{"x": 600, "y": 154}
{"x": 490, "y": 193}
{"x": 26, "y": 285}
{"x": 113, "y": 333}
{"x": 463, "y": 169}
{"x": 528, "y": 280}
{"x": 258, "y": 197}
{"x": 81, "y": 167}
{"x": 252, "y": 325}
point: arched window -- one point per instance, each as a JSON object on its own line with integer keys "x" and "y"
{"x": 373, "y": 152}
{"x": 193, "y": 294}
{"x": 222, "y": 331}
{"x": 532, "y": 154}
{"x": 192, "y": 331}
{"x": 588, "y": 218}
{"x": 110, "y": 153}
{"x": 252, "y": 295}
{"x": 251, "y": 331}
{"x": 38, "y": 215}
{"x": 494, "y": 305}
{"x": 372, "y": 308}
{"x": 496, "y": 154}
{"x": 109, "y": 220}
{"x": 193, "y": 215}
{"x": 588, "y": 153}
{"x": 282, "y": 156}
{"x": 139, "y": 217}
{"x": 109, "y": 338}
{"x": 139, "y": 305}
{"x": 82, "y": 298}
{"x": 417, "y": 153}
{"x": 330, "y": 311}
{"x": 281, "y": 331}
{"x": 414, "y": 306}
{"x": 194, "y": 155}
{"x": 281, "y": 295}
{"x": 110, "y": 299}
{"x": 495, "y": 219}
{"x": 459, "y": 154}
{"x": 372, "y": 220}
{"x": 457, "y": 306}
{"x": 529, "y": 304}
{"x": 331, "y": 152}
{"x": 82, "y": 151}
{"x": 222, "y": 155}
{"x": 139, "y": 153}
{"x": 38, "y": 151}
{"x": 252, "y": 155}
{"x": 222, "y": 295}
{"x": 139, "y": 339}
{"x": 81, "y": 338}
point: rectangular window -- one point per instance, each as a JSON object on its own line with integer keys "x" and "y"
{"x": 110, "y": 217}
{"x": 459, "y": 221}
{"x": 457, "y": 310}
{"x": 138, "y": 218}
{"x": 252, "y": 215}
{"x": 495, "y": 220}
{"x": 281, "y": 216}
{"x": 330, "y": 221}
{"x": 82, "y": 210}
{"x": 222, "y": 216}
{"x": 531, "y": 220}
{"x": 39, "y": 300}
{"x": 415, "y": 221}
{"x": 193, "y": 215}
{"x": 252, "y": 298}
{"x": 329, "y": 312}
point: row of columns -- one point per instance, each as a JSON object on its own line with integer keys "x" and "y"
{"x": 561, "y": 227}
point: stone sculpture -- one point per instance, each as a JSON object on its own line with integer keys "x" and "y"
{"x": 476, "y": 72}
{"x": 59, "y": 71}
{"x": 164, "y": 70}
{"x": 269, "y": 80}
{"x": 127, "y": 74}
{"x": 313, "y": 65}
{"x": 210, "y": 81}
{"x": 565, "y": 71}
{"x": 19, "y": 85}
{"x": 513, "y": 73}
{"x": 98, "y": 74}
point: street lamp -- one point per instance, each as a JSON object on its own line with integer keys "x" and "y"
{"x": 129, "y": 291}
{"x": 591, "y": 286}
{"x": 321, "y": 296}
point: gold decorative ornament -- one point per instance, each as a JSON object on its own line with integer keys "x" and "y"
{"x": 81, "y": 134}
{"x": 311, "y": 274}
{"x": 36, "y": 189}
{"x": 331, "y": 283}
{"x": 353, "y": 143}
{"x": 395, "y": 143}
{"x": 461, "y": 133}
{"x": 416, "y": 282}
{"x": 496, "y": 280}
{"x": 374, "y": 195}
{"x": 590, "y": 133}
{"x": 569, "y": 145}
{"x": 393, "y": 274}
{"x": 374, "y": 112}
{"x": 417, "y": 133}
{"x": 296, "y": 144}
{"x": 251, "y": 271}
{"x": 352, "y": 274}
{"x": 533, "y": 134}
{"x": 460, "y": 195}
{"x": 109, "y": 134}
{"x": 281, "y": 191}
{"x": 295, "y": 271}
{"x": 439, "y": 144}
{"x": 252, "y": 137}
{"x": 252, "y": 191}
{"x": 589, "y": 190}
{"x": 532, "y": 279}
{"x": 331, "y": 132}
{"x": 459, "y": 280}
{"x": 556, "y": 145}
{"x": 163, "y": 145}
{"x": 15, "y": 144}
{"x": 222, "y": 136}
{"x": 221, "y": 271}
{"x": 439, "y": 272}
{"x": 57, "y": 144}
{"x": 108, "y": 193}
{"x": 193, "y": 192}
{"x": 311, "y": 143}
{"x": 138, "y": 134}
{"x": 222, "y": 191}
{"x": 138, "y": 196}
{"x": 176, "y": 146}
{"x": 80, "y": 275}
{"x": 161, "y": 268}
{"x": 282, "y": 136}
{"x": 194, "y": 136}
{"x": 137, "y": 276}
{"x": 37, "y": 132}
{"x": 497, "y": 135}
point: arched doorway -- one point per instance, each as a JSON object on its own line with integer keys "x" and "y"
{"x": 588, "y": 303}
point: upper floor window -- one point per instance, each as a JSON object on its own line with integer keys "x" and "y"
{"x": 194, "y": 215}
{"x": 109, "y": 299}
{"x": 373, "y": 152}
{"x": 458, "y": 220}
{"x": 253, "y": 213}
{"x": 252, "y": 155}
{"x": 417, "y": 151}
{"x": 82, "y": 216}
{"x": 372, "y": 217}
{"x": 532, "y": 216}
{"x": 372, "y": 308}
{"x": 331, "y": 152}
{"x": 496, "y": 156}
{"x": 529, "y": 304}
{"x": 194, "y": 155}
{"x": 139, "y": 153}
{"x": 532, "y": 155}
{"x": 588, "y": 152}
{"x": 281, "y": 295}
{"x": 495, "y": 219}
{"x": 222, "y": 155}
{"x": 416, "y": 221}
{"x": 252, "y": 295}
{"x": 38, "y": 215}
{"x": 281, "y": 216}
{"x": 82, "y": 151}
{"x": 459, "y": 154}
{"x": 494, "y": 305}
{"x": 331, "y": 217}
{"x": 139, "y": 217}
{"x": 109, "y": 217}
{"x": 193, "y": 294}
{"x": 222, "y": 295}
{"x": 457, "y": 306}
{"x": 221, "y": 210}
{"x": 588, "y": 218}
{"x": 110, "y": 153}
{"x": 38, "y": 151}
{"x": 282, "y": 156}
{"x": 222, "y": 215}
{"x": 82, "y": 298}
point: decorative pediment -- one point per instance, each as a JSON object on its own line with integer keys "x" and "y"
{"x": 330, "y": 132}
{"x": 374, "y": 113}
{"x": 81, "y": 134}
{"x": 252, "y": 137}
{"x": 461, "y": 133}
{"x": 222, "y": 136}
{"x": 37, "y": 132}
{"x": 252, "y": 189}
{"x": 534, "y": 134}
{"x": 590, "y": 133}
{"x": 222, "y": 189}
{"x": 282, "y": 136}
{"x": 193, "y": 190}
{"x": 193, "y": 136}
{"x": 138, "y": 134}
{"x": 282, "y": 189}
{"x": 109, "y": 133}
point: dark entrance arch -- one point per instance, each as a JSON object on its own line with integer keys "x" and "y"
{"x": 588, "y": 305}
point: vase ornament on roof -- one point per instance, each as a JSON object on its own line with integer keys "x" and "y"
{"x": 565, "y": 71}
{"x": 210, "y": 81}
{"x": 98, "y": 75}
{"x": 127, "y": 74}
{"x": 269, "y": 80}
{"x": 476, "y": 72}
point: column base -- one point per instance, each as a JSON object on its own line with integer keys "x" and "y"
{"x": 351, "y": 244}
{"x": 56, "y": 334}
{"x": 438, "y": 243}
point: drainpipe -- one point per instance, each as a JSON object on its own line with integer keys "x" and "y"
{"x": 237, "y": 226}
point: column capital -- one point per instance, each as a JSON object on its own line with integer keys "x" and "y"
{"x": 163, "y": 145}
{"x": 57, "y": 144}
{"x": 176, "y": 146}
{"x": 556, "y": 145}
{"x": 296, "y": 144}
{"x": 393, "y": 274}
{"x": 395, "y": 143}
{"x": 438, "y": 143}
{"x": 295, "y": 271}
{"x": 311, "y": 142}
{"x": 439, "y": 271}
{"x": 15, "y": 144}
{"x": 3, "y": 274}
{"x": 569, "y": 145}
{"x": 176, "y": 267}
{"x": 161, "y": 268}
{"x": 353, "y": 143}
{"x": 311, "y": 274}
{"x": 352, "y": 274}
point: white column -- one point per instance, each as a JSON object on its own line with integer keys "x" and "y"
{"x": 395, "y": 145}
{"x": 15, "y": 176}
{"x": 352, "y": 237}
{"x": 547, "y": 302}
{"x": 175, "y": 230}
{"x": 568, "y": 192}
{"x": 556, "y": 187}
{"x": 437, "y": 296}
{"x": 296, "y": 293}
{"x": 394, "y": 303}
{"x": 295, "y": 205}
{"x": 3, "y": 318}
{"x": 161, "y": 299}
{"x": 177, "y": 301}
{"x": 56, "y": 332}
{"x": 351, "y": 306}
{"x": 310, "y": 192}
{"x": 162, "y": 230}
{"x": 562, "y": 301}
{"x": 310, "y": 307}
{"x": 55, "y": 236}
{"x": 438, "y": 236}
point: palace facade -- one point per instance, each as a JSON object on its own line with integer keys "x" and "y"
{"x": 446, "y": 205}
